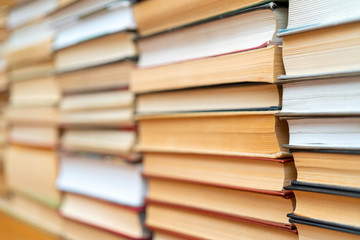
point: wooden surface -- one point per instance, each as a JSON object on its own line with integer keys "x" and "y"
{"x": 13, "y": 229}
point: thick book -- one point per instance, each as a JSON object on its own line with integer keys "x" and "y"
{"x": 40, "y": 136}
{"x": 30, "y": 44}
{"x": 43, "y": 92}
{"x": 312, "y": 229}
{"x": 328, "y": 167}
{"x": 115, "y": 218}
{"x": 30, "y": 11}
{"x": 331, "y": 204}
{"x": 326, "y": 94}
{"x": 304, "y": 16}
{"x": 231, "y": 33}
{"x": 243, "y": 204}
{"x": 36, "y": 214}
{"x": 259, "y": 65}
{"x": 102, "y": 177}
{"x": 219, "y": 98}
{"x": 263, "y": 175}
{"x": 32, "y": 115}
{"x": 160, "y": 15}
{"x": 102, "y": 141}
{"x": 304, "y": 53}
{"x": 220, "y": 133}
{"x": 116, "y": 18}
{"x": 32, "y": 71}
{"x": 113, "y": 76}
{"x": 33, "y": 172}
{"x": 94, "y": 52}
{"x": 74, "y": 230}
{"x": 106, "y": 108}
{"x": 325, "y": 132}
{"x": 190, "y": 224}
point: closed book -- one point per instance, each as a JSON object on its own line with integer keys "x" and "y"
{"x": 102, "y": 177}
{"x": 219, "y": 98}
{"x": 331, "y": 204}
{"x": 264, "y": 175}
{"x": 328, "y": 167}
{"x": 259, "y": 65}
{"x": 238, "y": 32}
{"x": 220, "y": 133}
{"x": 103, "y": 141}
{"x": 326, "y": 94}
{"x": 118, "y": 219}
{"x": 304, "y": 52}
{"x": 190, "y": 224}
{"x": 94, "y": 52}
{"x": 219, "y": 200}
{"x": 325, "y": 132}
{"x": 310, "y": 229}
{"x": 113, "y": 76}
{"x": 33, "y": 172}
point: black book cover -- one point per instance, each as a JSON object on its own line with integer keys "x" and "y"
{"x": 323, "y": 224}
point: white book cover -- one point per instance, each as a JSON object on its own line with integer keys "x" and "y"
{"x": 111, "y": 180}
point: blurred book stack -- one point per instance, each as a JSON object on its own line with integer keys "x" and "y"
{"x": 100, "y": 173}
{"x": 31, "y": 163}
{"x": 321, "y": 105}
{"x": 206, "y": 106}
{"x": 3, "y": 99}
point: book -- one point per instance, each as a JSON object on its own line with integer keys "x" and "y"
{"x": 219, "y": 133}
{"x": 28, "y": 12}
{"x": 34, "y": 135}
{"x": 113, "y": 76}
{"x": 220, "y": 98}
{"x": 30, "y": 44}
{"x": 203, "y": 225}
{"x": 163, "y": 235}
{"x": 106, "y": 49}
{"x": 228, "y": 34}
{"x": 102, "y": 177}
{"x": 103, "y": 141}
{"x": 35, "y": 178}
{"x": 327, "y": 132}
{"x": 258, "y": 174}
{"x": 318, "y": 14}
{"x": 121, "y": 220}
{"x": 329, "y": 94}
{"x": 107, "y": 21}
{"x": 107, "y": 108}
{"x": 32, "y": 115}
{"x": 334, "y": 205}
{"x": 77, "y": 9}
{"x": 43, "y": 92}
{"x": 303, "y": 53}
{"x": 328, "y": 167}
{"x": 159, "y": 15}
{"x": 77, "y": 231}
{"x": 33, "y": 71}
{"x": 308, "y": 229}
{"x": 221, "y": 200}
{"x": 260, "y": 65}
{"x": 36, "y": 214}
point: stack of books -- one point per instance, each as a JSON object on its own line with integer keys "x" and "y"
{"x": 100, "y": 173}
{"x": 321, "y": 105}
{"x": 206, "y": 106}
{"x": 31, "y": 163}
{"x": 3, "y": 97}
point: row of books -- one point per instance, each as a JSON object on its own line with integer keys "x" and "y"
{"x": 206, "y": 105}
